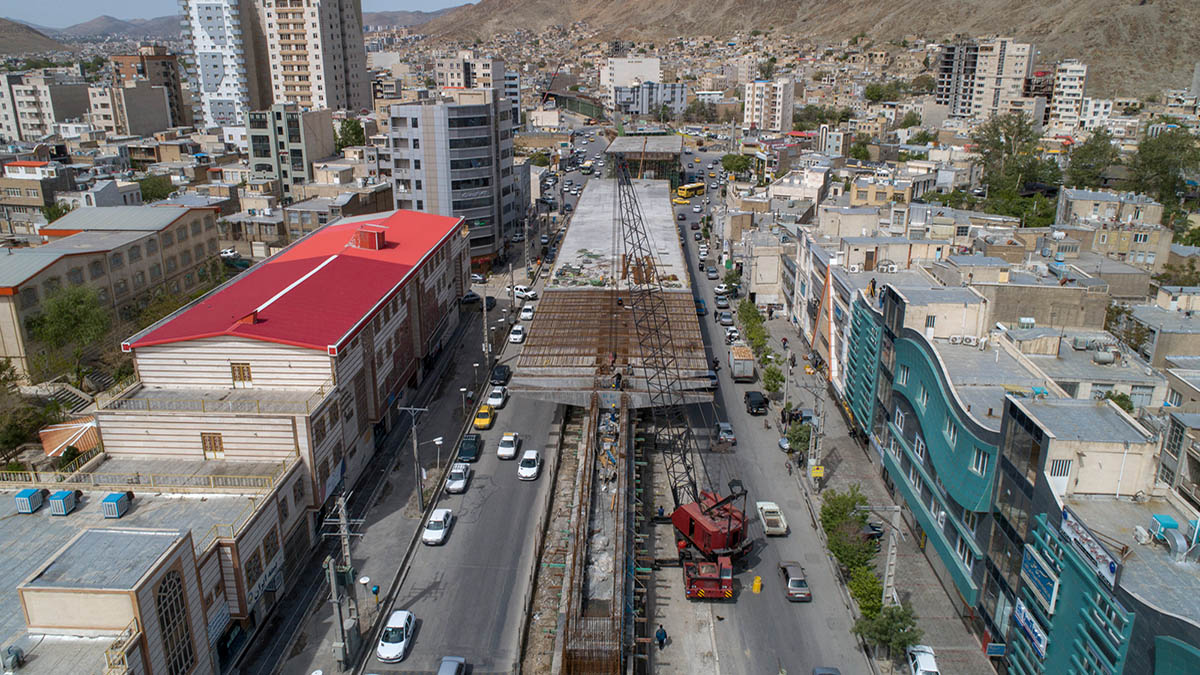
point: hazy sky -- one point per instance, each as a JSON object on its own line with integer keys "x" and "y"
{"x": 63, "y": 13}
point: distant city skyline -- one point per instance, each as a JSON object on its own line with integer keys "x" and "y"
{"x": 70, "y": 12}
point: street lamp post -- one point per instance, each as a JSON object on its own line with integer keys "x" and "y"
{"x": 463, "y": 391}
{"x": 416, "y": 458}
{"x": 476, "y": 367}
{"x": 438, "y": 442}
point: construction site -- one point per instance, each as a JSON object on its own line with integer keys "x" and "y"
{"x": 617, "y": 339}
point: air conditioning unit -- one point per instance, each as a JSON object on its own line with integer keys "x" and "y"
{"x": 969, "y": 340}
{"x": 893, "y": 268}
{"x": 955, "y": 339}
{"x": 116, "y": 504}
{"x": 63, "y": 502}
{"x": 30, "y": 500}
{"x": 983, "y": 342}
{"x": 855, "y": 269}
{"x": 1026, "y": 322}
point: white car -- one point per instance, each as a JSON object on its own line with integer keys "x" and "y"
{"x": 509, "y": 443}
{"x": 703, "y": 251}
{"x": 921, "y": 660}
{"x": 459, "y": 476}
{"x": 522, "y": 292}
{"x": 437, "y": 527}
{"x": 773, "y": 522}
{"x": 697, "y": 209}
{"x": 721, "y": 289}
{"x": 230, "y": 253}
{"x": 530, "y": 466}
{"x": 498, "y": 397}
{"x": 527, "y": 313}
{"x": 396, "y": 637}
{"x": 477, "y": 279}
{"x": 517, "y": 335}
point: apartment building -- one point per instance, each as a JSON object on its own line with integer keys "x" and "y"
{"x": 103, "y": 193}
{"x": 1001, "y": 68}
{"x": 227, "y": 63}
{"x": 833, "y": 141}
{"x": 768, "y": 104}
{"x": 467, "y": 69}
{"x": 316, "y": 53}
{"x": 956, "y": 66}
{"x": 132, "y": 108}
{"x": 127, "y": 253}
{"x": 1094, "y": 113}
{"x": 1081, "y": 205}
{"x": 1070, "y": 85}
{"x": 37, "y": 100}
{"x": 26, "y": 188}
{"x": 626, "y": 72}
{"x": 285, "y": 141}
{"x": 649, "y": 98}
{"x": 452, "y": 155}
{"x": 158, "y": 66}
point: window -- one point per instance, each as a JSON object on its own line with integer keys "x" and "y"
{"x": 1103, "y": 237}
{"x": 1174, "y": 398}
{"x": 902, "y": 375}
{"x": 979, "y": 462}
{"x": 963, "y": 550}
{"x": 914, "y": 476}
{"x": 214, "y": 446}
{"x": 298, "y": 493}
{"x": 951, "y": 430}
{"x": 1141, "y": 238}
{"x": 173, "y": 624}
{"x": 116, "y": 261}
{"x": 270, "y": 546}
{"x": 96, "y": 269}
{"x": 416, "y": 144}
{"x": 919, "y": 447}
{"x": 930, "y": 320}
{"x": 1060, "y": 468}
{"x": 924, "y": 396}
{"x": 253, "y": 568}
{"x": 241, "y": 372}
{"x": 970, "y": 520}
{"x": 135, "y": 253}
{"x": 900, "y": 420}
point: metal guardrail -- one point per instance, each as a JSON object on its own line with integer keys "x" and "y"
{"x": 256, "y": 406}
{"x": 225, "y": 530}
{"x": 125, "y": 481}
{"x": 116, "y": 661}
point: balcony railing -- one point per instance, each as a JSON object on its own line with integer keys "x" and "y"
{"x": 249, "y": 404}
{"x": 116, "y": 661}
{"x": 117, "y": 481}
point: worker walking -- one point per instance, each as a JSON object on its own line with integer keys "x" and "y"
{"x": 660, "y": 636}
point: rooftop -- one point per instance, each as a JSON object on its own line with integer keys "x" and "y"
{"x": 84, "y": 563}
{"x": 94, "y": 241}
{"x": 1149, "y": 572}
{"x": 1096, "y": 263}
{"x": 137, "y": 218}
{"x": 978, "y": 261}
{"x": 1098, "y": 195}
{"x": 937, "y": 295}
{"x": 22, "y": 264}
{"x": 1166, "y": 320}
{"x": 1079, "y": 365}
{"x": 1072, "y": 419}
{"x": 633, "y": 145}
{"x": 316, "y": 291}
{"x": 982, "y": 378}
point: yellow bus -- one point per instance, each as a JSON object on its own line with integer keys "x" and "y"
{"x": 690, "y": 190}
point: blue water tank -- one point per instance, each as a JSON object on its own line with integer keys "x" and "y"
{"x": 30, "y": 500}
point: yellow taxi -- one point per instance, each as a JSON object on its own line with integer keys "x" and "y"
{"x": 680, "y": 201}
{"x": 696, "y": 160}
{"x": 485, "y": 418}
{"x": 711, "y": 174}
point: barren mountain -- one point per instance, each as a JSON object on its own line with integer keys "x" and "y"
{"x": 108, "y": 26}
{"x": 17, "y": 38}
{"x": 1131, "y": 46}
{"x": 402, "y": 18}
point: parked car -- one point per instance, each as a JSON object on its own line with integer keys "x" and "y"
{"x": 732, "y": 335}
{"x": 530, "y": 466}
{"x": 721, "y": 289}
{"x": 682, "y": 216}
{"x": 518, "y": 238}
{"x": 453, "y": 665}
{"x": 712, "y": 380}
{"x": 527, "y": 313}
{"x": 522, "y": 292}
{"x": 725, "y": 318}
{"x": 517, "y": 334}
{"x": 694, "y": 226}
{"x": 922, "y": 661}
{"x": 470, "y": 298}
{"x": 500, "y": 374}
{"x": 724, "y": 433}
{"x": 396, "y": 637}
{"x": 457, "y": 479}
{"x": 698, "y": 236}
{"x": 697, "y": 209}
{"x": 437, "y": 528}
{"x": 470, "y": 447}
{"x": 712, "y": 273}
{"x": 477, "y": 279}
{"x": 485, "y": 417}
{"x": 498, "y": 397}
{"x": 721, "y": 302}
{"x": 795, "y": 582}
{"x": 756, "y": 403}
{"x": 230, "y": 253}
{"x": 701, "y": 307}
{"x": 510, "y": 442}
{"x": 773, "y": 522}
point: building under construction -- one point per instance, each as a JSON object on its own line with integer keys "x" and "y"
{"x": 593, "y": 344}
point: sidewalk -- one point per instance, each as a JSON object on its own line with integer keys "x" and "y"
{"x": 846, "y": 463}
{"x": 299, "y": 635}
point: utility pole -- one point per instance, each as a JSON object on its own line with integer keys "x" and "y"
{"x": 412, "y": 412}
{"x": 342, "y": 596}
{"x": 487, "y": 347}
{"x": 889, "y": 567}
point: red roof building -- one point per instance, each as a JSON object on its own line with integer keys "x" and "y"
{"x": 318, "y": 291}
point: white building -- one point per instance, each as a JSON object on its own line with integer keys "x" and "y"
{"x": 1094, "y": 112}
{"x": 710, "y": 96}
{"x": 1001, "y": 67}
{"x": 768, "y": 104}
{"x": 648, "y": 98}
{"x": 626, "y": 72}
{"x": 316, "y": 53}
{"x": 227, "y": 67}
{"x": 1070, "y": 83}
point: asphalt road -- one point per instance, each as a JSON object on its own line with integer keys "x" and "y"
{"x": 762, "y": 633}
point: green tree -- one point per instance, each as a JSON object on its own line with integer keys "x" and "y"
{"x": 922, "y": 84}
{"x": 867, "y": 591}
{"x": 735, "y": 164}
{"x": 1120, "y": 399}
{"x": 539, "y": 159}
{"x": 799, "y": 436}
{"x": 766, "y": 69}
{"x": 849, "y": 547}
{"x": 895, "y": 628}
{"x": 350, "y": 134}
{"x": 860, "y": 151}
{"x": 1184, "y": 274}
{"x": 923, "y": 137}
{"x": 911, "y": 119}
{"x": 160, "y": 306}
{"x": 838, "y": 507}
{"x": 72, "y": 319}
{"x": 1159, "y": 166}
{"x": 732, "y": 278}
{"x": 155, "y": 188}
{"x": 772, "y": 379}
{"x": 1090, "y": 159}
{"x": 55, "y": 211}
{"x": 1004, "y": 142}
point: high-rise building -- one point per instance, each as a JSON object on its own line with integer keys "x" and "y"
{"x": 466, "y": 69}
{"x": 452, "y": 155}
{"x": 649, "y": 98}
{"x": 1001, "y": 67}
{"x": 132, "y": 107}
{"x": 1070, "y": 83}
{"x": 285, "y": 140}
{"x": 227, "y": 64}
{"x": 768, "y": 104}
{"x": 626, "y": 72}
{"x": 956, "y": 76}
{"x": 316, "y": 51}
{"x": 158, "y": 66}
